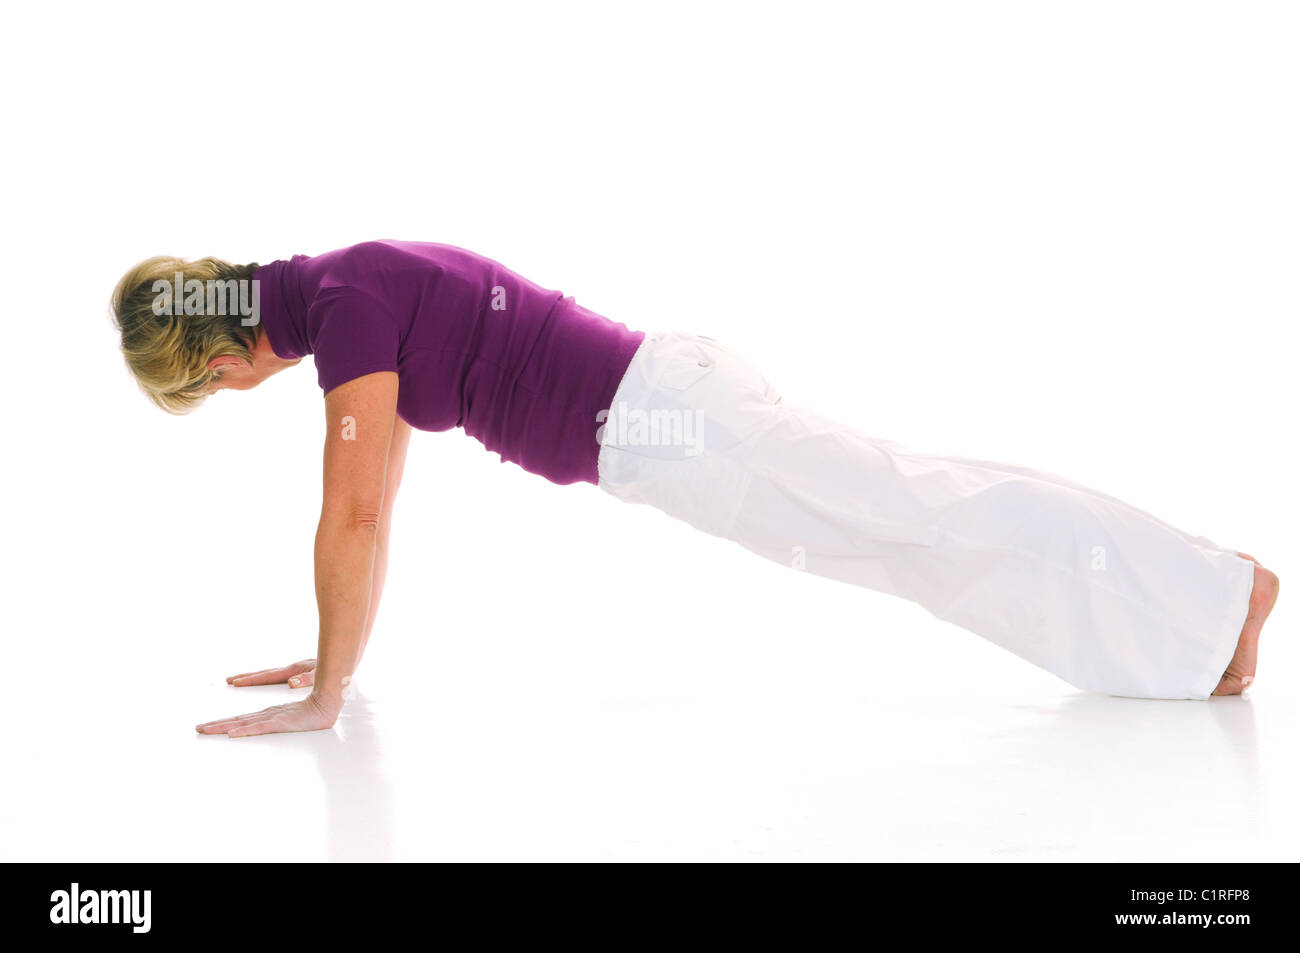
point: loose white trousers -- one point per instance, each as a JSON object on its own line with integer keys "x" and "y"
{"x": 1096, "y": 591}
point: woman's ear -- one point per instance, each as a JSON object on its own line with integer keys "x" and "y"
{"x": 225, "y": 361}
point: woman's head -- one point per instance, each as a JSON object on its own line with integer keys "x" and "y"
{"x": 184, "y": 329}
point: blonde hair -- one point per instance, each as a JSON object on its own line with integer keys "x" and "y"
{"x": 169, "y": 353}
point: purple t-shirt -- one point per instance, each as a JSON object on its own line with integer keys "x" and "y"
{"x": 522, "y": 369}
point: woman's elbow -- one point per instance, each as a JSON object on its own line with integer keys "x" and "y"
{"x": 353, "y": 517}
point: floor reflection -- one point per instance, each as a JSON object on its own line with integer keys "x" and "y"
{"x": 358, "y": 792}
{"x": 1126, "y": 770}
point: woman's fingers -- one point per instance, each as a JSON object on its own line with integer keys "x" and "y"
{"x": 267, "y": 676}
{"x": 215, "y": 727}
{"x": 266, "y": 727}
{"x": 260, "y": 671}
{"x": 302, "y": 679}
{"x": 221, "y": 725}
{"x": 272, "y": 676}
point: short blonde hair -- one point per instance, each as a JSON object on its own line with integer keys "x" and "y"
{"x": 169, "y": 353}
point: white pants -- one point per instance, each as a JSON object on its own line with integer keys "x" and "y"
{"x": 1094, "y": 590}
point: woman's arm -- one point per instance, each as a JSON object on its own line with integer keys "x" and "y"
{"x": 361, "y": 418}
{"x": 302, "y": 674}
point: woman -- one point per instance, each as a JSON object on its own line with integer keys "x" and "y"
{"x": 418, "y": 335}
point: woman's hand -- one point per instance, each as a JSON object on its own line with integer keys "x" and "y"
{"x": 309, "y": 714}
{"x": 298, "y": 675}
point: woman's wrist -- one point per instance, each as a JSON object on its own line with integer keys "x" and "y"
{"x": 329, "y": 694}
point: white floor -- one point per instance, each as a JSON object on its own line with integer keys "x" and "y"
{"x": 758, "y": 714}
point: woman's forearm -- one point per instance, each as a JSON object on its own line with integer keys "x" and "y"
{"x": 377, "y": 575}
{"x": 393, "y": 480}
{"x": 345, "y": 560}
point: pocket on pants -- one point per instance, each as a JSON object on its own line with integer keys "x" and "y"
{"x": 686, "y": 369}
{"x": 721, "y": 350}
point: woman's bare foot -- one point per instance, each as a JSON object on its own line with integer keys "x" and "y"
{"x": 1241, "y": 670}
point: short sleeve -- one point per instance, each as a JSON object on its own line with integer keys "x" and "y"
{"x": 354, "y": 336}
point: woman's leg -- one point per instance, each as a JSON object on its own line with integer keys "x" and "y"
{"x": 1098, "y": 592}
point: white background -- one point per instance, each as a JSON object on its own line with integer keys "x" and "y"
{"x": 1057, "y": 234}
